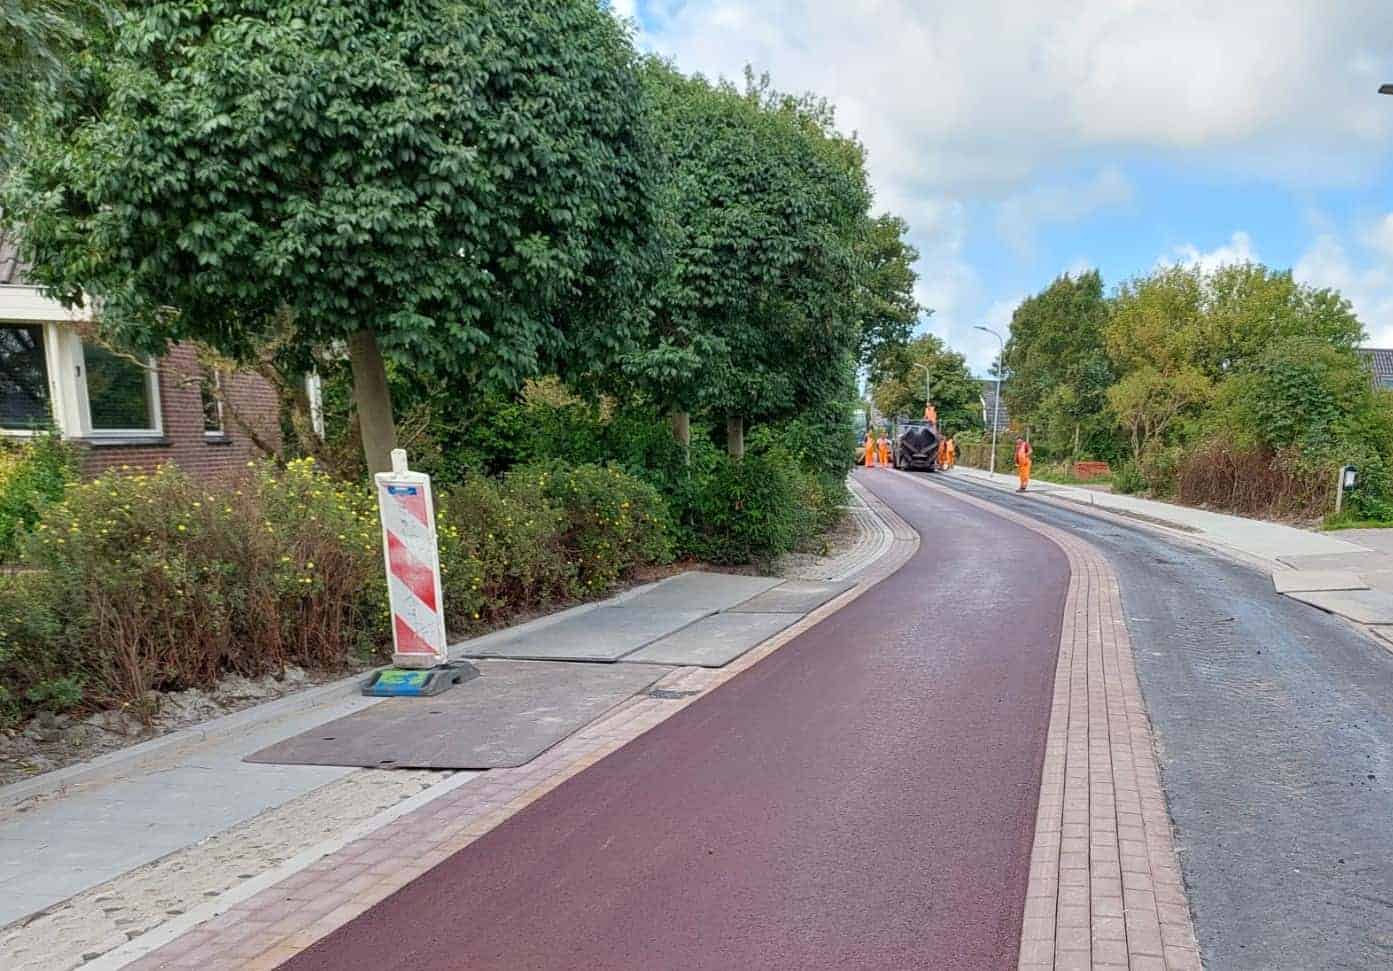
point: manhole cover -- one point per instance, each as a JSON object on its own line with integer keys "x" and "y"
{"x": 668, "y": 695}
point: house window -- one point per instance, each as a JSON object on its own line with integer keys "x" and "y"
{"x": 24, "y": 400}
{"x": 120, "y": 393}
{"x": 210, "y": 389}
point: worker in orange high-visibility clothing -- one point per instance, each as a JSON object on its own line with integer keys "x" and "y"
{"x": 952, "y": 447}
{"x": 1023, "y": 455}
{"x": 943, "y": 453}
{"x": 869, "y": 461}
{"x": 884, "y": 451}
{"x": 931, "y": 414}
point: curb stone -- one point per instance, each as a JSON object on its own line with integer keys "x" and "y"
{"x": 1105, "y": 888}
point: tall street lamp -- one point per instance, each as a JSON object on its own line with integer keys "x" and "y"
{"x": 996, "y": 411}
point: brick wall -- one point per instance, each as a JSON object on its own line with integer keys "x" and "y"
{"x": 184, "y": 442}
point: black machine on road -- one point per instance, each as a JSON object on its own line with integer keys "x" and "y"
{"x": 916, "y": 446}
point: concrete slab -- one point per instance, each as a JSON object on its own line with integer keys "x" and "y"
{"x": 1307, "y": 581}
{"x": 605, "y": 634}
{"x": 715, "y": 641}
{"x": 506, "y": 717}
{"x": 98, "y": 831}
{"x": 1360, "y": 606}
{"x": 792, "y": 597}
{"x": 708, "y": 592}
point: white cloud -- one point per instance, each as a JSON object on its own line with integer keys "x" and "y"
{"x": 1366, "y": 283}
{"x": 965, "y": 108}
{"x": 984, "y": 94}
{"x": 624, "y": 8}
{"x": 1021, "y": 215}
{"x": 1239, "y": 249}
{"x": 1379, "y": 236}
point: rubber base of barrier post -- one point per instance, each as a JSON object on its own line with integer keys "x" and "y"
{"x": 404, "y": 683}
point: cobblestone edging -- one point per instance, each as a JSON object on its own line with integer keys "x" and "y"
{"x": 873, "y": 538}
{"x": 1105, "y": 889}
{"x": 266, "y": 928}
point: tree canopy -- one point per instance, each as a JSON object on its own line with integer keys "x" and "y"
{"x": 1059, "y": 369}
{"x": 888, "y": 309}
{"x": 464, "y": 184}
{"x": 755, "y": 314}
{"x": 957, "y": 395}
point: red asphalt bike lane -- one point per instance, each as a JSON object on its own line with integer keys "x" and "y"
{"x": 862, "y": 798}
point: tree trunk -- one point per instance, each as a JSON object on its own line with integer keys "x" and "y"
{"x": 374, "y": 401}
{"x": 735, "y": 436}
{"x": 682, "y": 433}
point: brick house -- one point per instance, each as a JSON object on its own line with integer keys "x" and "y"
{"x": 120, "y": 411}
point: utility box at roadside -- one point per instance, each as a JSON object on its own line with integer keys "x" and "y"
{"x": 412, "y": 555}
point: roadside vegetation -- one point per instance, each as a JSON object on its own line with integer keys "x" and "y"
{"x": 617, "y": 312}
{"x": 1236, "y": 389}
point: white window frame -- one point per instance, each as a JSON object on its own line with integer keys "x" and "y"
{"x": 221, "y": 431}
{"x": 67, "y": 380}
{"x": 50, "y": 349}
{"x": 77, "y": 362}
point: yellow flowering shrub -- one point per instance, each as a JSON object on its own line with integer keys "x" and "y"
{"x": 157, "y": 581}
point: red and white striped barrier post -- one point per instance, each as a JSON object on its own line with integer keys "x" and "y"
{"x": 412, "y": 554}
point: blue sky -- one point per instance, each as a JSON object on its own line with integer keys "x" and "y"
{"x": 1025, "y": 138}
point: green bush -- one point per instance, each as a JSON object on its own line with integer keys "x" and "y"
{"x": 742, "y": 511}
{"x": 131, "y": 583}
{"x": 1128, "y": 479}
{"x": 32, "y": 474}
{"x": 501, "y": 551}
{"x": 614, "y": 522}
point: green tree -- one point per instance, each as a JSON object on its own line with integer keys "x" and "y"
{"x": 1059, "y": 368}
{"x": 1220, "y": 321}
{"x": 1307, "y": 393}
{"x": 37, "y": 40}
{"x": 957, "y": 395}
{"x": 462, "y": 186}
{"x": 888, "y": 309}
{"x": 755, "y": 314}
{"x": 1150, "y": 403}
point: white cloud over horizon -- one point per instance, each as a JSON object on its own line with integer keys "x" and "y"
{"x": 1028, "y": 111}
{"x": 1238, "y": 249}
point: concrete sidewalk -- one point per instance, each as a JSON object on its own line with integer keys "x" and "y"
{"x": 1349, "y": 574}
{"x": 1249, "y": 538}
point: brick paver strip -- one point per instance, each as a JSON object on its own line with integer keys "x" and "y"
{"x": 1105, "y": 889}
{"x": 265, "y": 930}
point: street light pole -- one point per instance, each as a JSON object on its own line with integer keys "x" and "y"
{"x": 996, "y": 411}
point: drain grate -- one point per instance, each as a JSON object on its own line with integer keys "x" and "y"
{"x": 666, "y": 694}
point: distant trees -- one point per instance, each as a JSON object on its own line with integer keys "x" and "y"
{"x": 888, "y": 308}
{"x": 901, "y": 388}
{"x": 1186, "y": 370}
{"x": 1060, "y": 369}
